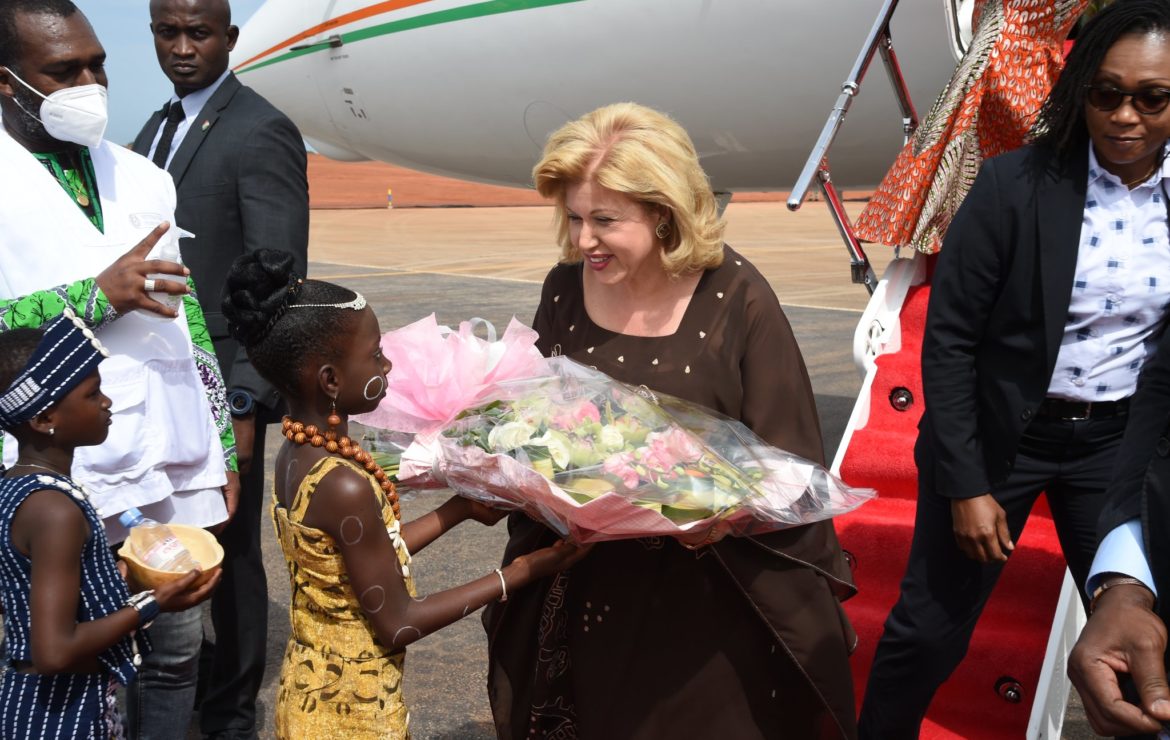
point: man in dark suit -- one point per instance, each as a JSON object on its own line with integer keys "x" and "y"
{"x": 239, "y": 167}
{"x": 1119, "y": 663}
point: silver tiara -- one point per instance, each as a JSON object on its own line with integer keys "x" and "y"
{"x": 357, "y": 304}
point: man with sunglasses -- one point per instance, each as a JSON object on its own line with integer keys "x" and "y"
{"x": 1046, "y": 302}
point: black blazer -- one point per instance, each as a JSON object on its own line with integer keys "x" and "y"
{"x": 1141, "y": 479}
{"x": 997, "y": 312}
{"x": 240, "y": 175}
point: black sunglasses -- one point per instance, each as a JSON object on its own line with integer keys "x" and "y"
{"x": 1148, "y": 101}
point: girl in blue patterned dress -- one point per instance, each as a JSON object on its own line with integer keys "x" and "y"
{"x": 71, "y": 627}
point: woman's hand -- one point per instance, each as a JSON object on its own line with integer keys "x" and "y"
{"x": 483, "y": 513}
{"x": 981, "y": 529}
{"x": 182, "y": 594}
{"x": 547, "y": 560}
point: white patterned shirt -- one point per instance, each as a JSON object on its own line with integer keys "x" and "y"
{"x": 1121, "y": 290}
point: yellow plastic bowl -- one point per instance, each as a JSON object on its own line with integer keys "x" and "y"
{"x": 199, "y": 542}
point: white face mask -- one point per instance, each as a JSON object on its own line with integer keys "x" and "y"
{"x": 74, "y": 114}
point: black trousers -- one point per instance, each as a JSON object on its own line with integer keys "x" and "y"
{"x": 239, "y": 606}
{"x": 943, "y": 592}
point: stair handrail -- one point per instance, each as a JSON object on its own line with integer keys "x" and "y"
{"x": 879, "y": 40}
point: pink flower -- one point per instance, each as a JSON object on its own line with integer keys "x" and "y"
{"x": 572, "y": 418}
{"x": 619, "y": 465}
{"x": 586, "y": 412}
{"x": 677, "y": 444}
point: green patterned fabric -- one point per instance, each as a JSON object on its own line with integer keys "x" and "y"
{"x": 211, "y": 374}
{"x": 79, "y": 181}
{"x": 31, "y": 311}
{"x": 90, "y": 303}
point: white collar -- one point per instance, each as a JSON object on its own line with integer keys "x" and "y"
{"x": 194, "y": 102}
{"x": 1097, "y": 172}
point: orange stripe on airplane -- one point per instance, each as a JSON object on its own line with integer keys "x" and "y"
{"x": 341, "y": 20}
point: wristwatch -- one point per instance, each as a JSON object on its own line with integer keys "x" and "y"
{"x": 147, "y": 607}
{"x": 240, "y": 402}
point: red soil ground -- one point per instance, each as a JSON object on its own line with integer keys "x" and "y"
{"x": 363, "y": 185}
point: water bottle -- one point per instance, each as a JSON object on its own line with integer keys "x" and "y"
{"x": 156, "y": 545}
{"x": 168, "y": 250}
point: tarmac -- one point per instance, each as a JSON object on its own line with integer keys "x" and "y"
{"x": 489, "y": 262}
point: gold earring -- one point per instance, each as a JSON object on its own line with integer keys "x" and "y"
{"x": 662, "y": 230}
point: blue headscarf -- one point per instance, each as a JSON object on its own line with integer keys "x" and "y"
{"x": 66, "y": 355}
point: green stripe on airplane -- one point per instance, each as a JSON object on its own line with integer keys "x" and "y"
{"x": 478, "y": 10}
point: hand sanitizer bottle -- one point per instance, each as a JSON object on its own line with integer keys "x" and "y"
{"x": 169, "y": 252}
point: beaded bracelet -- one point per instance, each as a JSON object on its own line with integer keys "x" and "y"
{"x": 147, "y": 607}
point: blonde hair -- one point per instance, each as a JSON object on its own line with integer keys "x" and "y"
{"x": 647, "y": 156}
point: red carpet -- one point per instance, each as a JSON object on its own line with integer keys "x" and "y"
{"x": 1013, "y": 632}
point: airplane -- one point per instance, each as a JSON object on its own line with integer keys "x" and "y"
{"x": 471, "y": 89}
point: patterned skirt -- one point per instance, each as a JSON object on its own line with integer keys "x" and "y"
{"x": 988, "y": 108}
{"x": 324, "y": 696}
{"x": 64, "y": 706}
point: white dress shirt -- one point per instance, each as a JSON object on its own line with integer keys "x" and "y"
{"x": 192, "y": 106}
{"x": 1121, "y": 288}
{"x": 1123, "y": 551}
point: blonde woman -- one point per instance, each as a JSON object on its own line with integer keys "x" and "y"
{"x": 645, "y": 638}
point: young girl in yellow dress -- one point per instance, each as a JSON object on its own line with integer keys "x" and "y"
{"x": 353, "y": 605}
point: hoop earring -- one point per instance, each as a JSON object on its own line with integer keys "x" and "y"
{"x": 662, "y": 230}
{"x": 52, "y": 431}
{"x": 334, "y": 420}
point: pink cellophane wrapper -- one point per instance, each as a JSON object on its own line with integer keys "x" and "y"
{"x": 595, "y": 459}
{"x": 437, "y": 373}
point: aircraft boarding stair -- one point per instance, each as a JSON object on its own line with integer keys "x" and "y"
{"x": 994, "y": 691}
{"x": 1012, "y": 683}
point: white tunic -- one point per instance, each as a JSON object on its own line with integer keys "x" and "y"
{"x": 163, "y": 451}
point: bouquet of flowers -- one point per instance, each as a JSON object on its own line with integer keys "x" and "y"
{"x": 596, "y": 459}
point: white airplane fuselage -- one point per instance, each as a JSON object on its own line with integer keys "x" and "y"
{"x": 471, "y": 89}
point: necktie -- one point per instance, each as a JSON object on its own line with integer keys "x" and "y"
{"x": 174, "y": 114}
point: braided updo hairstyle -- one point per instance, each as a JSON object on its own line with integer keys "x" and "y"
{"x": 261, "y": 287}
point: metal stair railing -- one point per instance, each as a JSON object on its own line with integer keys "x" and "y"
{"x": 817, "y": 166}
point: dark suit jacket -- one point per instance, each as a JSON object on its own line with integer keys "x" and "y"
{"x": 1141, "y": 481}
{"x": 998, "y": 306}
{"x": 240, "y": 174}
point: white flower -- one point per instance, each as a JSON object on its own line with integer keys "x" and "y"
{"x": 509, "y": 436}
{"x": 557, "y": 446}
{"x": 611, "y": 438}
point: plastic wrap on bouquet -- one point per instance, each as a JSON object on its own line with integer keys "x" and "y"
{"x": 596, "y": 459}
{"x": 438, "y": 372}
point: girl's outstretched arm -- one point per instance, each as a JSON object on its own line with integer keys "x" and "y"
{"x": 433, "y": 525}
{"x": 347, "y": 509}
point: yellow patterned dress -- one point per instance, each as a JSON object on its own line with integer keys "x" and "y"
{"x": 337, "y": 680}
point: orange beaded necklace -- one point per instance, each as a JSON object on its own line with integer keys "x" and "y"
{"x": 298, "y": 433}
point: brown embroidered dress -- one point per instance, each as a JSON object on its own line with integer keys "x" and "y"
{"x": 644, "y": 638}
